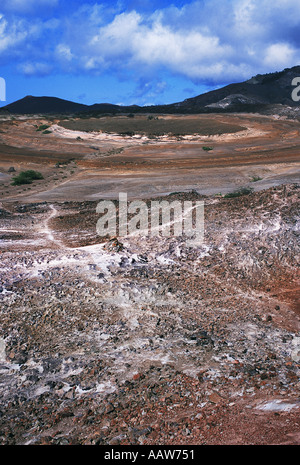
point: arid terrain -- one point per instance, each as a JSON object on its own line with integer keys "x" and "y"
{"x": 145, "y": 340}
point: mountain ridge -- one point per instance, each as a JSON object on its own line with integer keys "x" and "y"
{"x": 259, "y": 92}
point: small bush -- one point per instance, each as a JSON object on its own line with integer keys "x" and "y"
{"x": 47, "y": 132}
{"x": 239, "y": 192}
{"x": 26, "y": 177}
{"x": 127, "y": 133}
{"x": 255, "y": 179}
{"x": 43, "y": 127}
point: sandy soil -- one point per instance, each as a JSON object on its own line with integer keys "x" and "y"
{"x": 107, "y": 163}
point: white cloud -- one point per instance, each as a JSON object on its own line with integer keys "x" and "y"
{"x": 130, "y": 41}
{"x": 11, "y": 35}
{"x": 64, "y": 52}
{"x": 210, "y": 41}
{"x": 204, "y": 41}
{"x": 280, "y": 56}
{"x": 35, "y": 68}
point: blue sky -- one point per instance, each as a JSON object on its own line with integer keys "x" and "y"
{"x": 142, "y": 52}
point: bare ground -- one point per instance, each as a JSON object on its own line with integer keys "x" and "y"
{"x": 98, "y": 165}
{"x": 146, "y": 340}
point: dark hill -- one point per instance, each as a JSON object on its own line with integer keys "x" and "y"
{"x": 41, "y": 105}
{"x": 259, "y": 94}
{"x": 259, "y": 91}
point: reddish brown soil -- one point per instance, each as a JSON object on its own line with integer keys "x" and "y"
{"x": 269, "y": 149}
{"x": 146, "y": 340}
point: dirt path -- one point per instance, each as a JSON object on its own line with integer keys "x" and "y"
{"x": 46, "y": 230}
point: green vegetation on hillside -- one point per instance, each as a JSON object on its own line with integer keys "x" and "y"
{"x": 43, "y": 127}
{"x": 239, "y": 192}
{"x": 26, "y": 177}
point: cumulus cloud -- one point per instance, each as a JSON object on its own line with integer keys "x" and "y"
{"x": 11, "y": 35}
{"x": 205, "y": 41}
{"x": 131, "y": 42}
{"x": 281, "y": 55}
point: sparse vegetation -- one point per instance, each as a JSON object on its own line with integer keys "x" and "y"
{"x": 26, "y": 177}
{"x": 255, "y": 178}
{"x": 127, "y": 133}
{"x": 239, "y": 192}
{"x": 115, "y": 151}
{"x": 152, "y": 125}
{"x": 43, "y": 127}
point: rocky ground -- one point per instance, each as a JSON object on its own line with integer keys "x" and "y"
{"x": 146, "y": 340}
